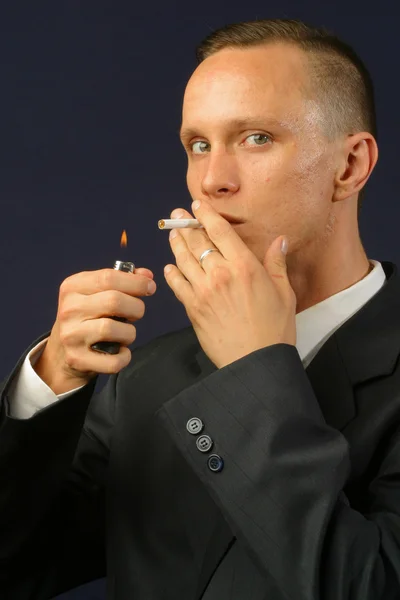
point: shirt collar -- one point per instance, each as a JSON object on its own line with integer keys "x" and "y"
{"x": 315, "y": 324}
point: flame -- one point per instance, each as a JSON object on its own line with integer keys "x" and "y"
{"x": 124, "y": 239}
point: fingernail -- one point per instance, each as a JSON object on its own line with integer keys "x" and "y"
{"x": 177, "y": 213}
{"x": 196, "y": 204}
{"x": 284, "y": 245}
{"x": 151, "y": 287}
{"x": 172, "y": 234}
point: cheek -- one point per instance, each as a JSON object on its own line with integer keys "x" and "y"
{"x": 317, "y": 188}
{"x": 311, "y": 177}
{"x": 195, "y": 173}
{"x": 290, "y": 192}
{"x": 313, "y": 165}
{"x": 192, "y": 181}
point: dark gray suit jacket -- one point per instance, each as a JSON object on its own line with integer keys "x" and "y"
{"x": 306, "y": 507}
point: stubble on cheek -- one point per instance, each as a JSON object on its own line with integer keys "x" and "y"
{"x": 296, "y": 197}
{"x": 315, "y": 182}
{"x": 312, "y": 170}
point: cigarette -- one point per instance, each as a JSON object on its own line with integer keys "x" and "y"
{"x": 178, "y": 224}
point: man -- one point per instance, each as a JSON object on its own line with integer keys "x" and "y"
{"x": 256, "y": 454}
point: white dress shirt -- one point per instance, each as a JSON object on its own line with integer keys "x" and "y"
{"x": 28, "y": 393}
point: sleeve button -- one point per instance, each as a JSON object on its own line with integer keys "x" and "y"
{"x": 215, "y": 463}
{"x": 194, "y": 425}
{"x": 204, "y": 443}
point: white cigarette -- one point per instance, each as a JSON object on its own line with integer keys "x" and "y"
{"x": 178, "y": 224}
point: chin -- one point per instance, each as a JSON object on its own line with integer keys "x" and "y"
{"x": 256, "y": 249}
{"x": 255, "y": 242}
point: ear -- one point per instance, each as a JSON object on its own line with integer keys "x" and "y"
{"x": 360, "y": 155}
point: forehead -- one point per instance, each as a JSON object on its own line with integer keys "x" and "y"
{"x": 270, "y": 78}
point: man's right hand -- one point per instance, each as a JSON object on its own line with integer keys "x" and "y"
{"x": 87, "y": 300}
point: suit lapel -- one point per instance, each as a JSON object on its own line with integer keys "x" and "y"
{"x": 366, "y": 346}
{"x": 369, "y": 342}
{"x": 332, "y": 386}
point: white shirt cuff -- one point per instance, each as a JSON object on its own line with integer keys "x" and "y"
{"x": 28, "y": 393}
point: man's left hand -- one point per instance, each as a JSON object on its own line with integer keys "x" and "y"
{"x": 236, "y": 304}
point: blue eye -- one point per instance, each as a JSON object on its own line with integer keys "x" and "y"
{"x": 260, "y": 139}
{"x": 200, "y": 146}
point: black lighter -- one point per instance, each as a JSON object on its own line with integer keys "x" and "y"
{"x": 113, "y": 347}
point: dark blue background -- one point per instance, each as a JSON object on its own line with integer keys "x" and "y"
{"x": 90, "y": 108}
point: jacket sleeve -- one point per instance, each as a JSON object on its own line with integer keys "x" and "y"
{"x": 52, "y": 492}
{"x": 281, "y": 488}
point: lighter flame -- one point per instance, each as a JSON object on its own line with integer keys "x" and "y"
{"x": 124, "y": 239}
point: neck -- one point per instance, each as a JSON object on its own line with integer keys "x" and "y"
{"x": 326, "y": 267}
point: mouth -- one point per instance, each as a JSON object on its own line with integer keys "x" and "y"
{"x": 232, "y": 220}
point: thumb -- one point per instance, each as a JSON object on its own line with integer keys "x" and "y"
{"x": 275, "y": 258}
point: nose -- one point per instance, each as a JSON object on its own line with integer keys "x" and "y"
{"x": 221, "y": 178}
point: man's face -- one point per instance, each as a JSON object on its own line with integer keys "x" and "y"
{"x": 255, "y": 146}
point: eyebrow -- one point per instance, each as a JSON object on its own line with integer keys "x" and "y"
{"x": 251, "y": 123}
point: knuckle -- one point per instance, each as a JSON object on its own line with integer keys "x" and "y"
{"x": 244, "y": 271}
{"x": 182, "y": 258}
{"x": 243, "y": 264}
{"x": 65, "y": 337}
{"x": 67, "y": 309}
{"x": 114, "y": 364}
{"x": 64, "y": 313}
{"x": 204, "y": 297}
{"x": 143, "y": 290}
{"x": 105, "y": 278}
{"x": 140, "y": 309}
{"x": 64, "y": 287}
{"x": 132, "y": 337}
{"x": 119, "y": 361}
{"x": 105, "y": 328}
{"x": 195, "y": 310}
{"x": 220, "y": 276}
{"x": 126, "y": 355}
{"x": 72, "y": 360}
{"x": 70, "y": 336}
{"x": 112, "y": 302}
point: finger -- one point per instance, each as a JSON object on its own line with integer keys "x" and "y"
{"x": 81, "y": 357}
{"x": 145, "y": 272}
{"x": 107, "y": 330}
{"x": 90, "y": 282}
{"x": 185, "y": 261}
{"x": 220, "y": 232}
{"x": 180, "y": 213}
{"x": 78, "y": 307}
{"x": 90, "y": 361}
{"x": 198, "y": 242}
{"x": 179, "y": 285}
{"x": 275, "y": 264}
{"x": 114, "y": 304}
